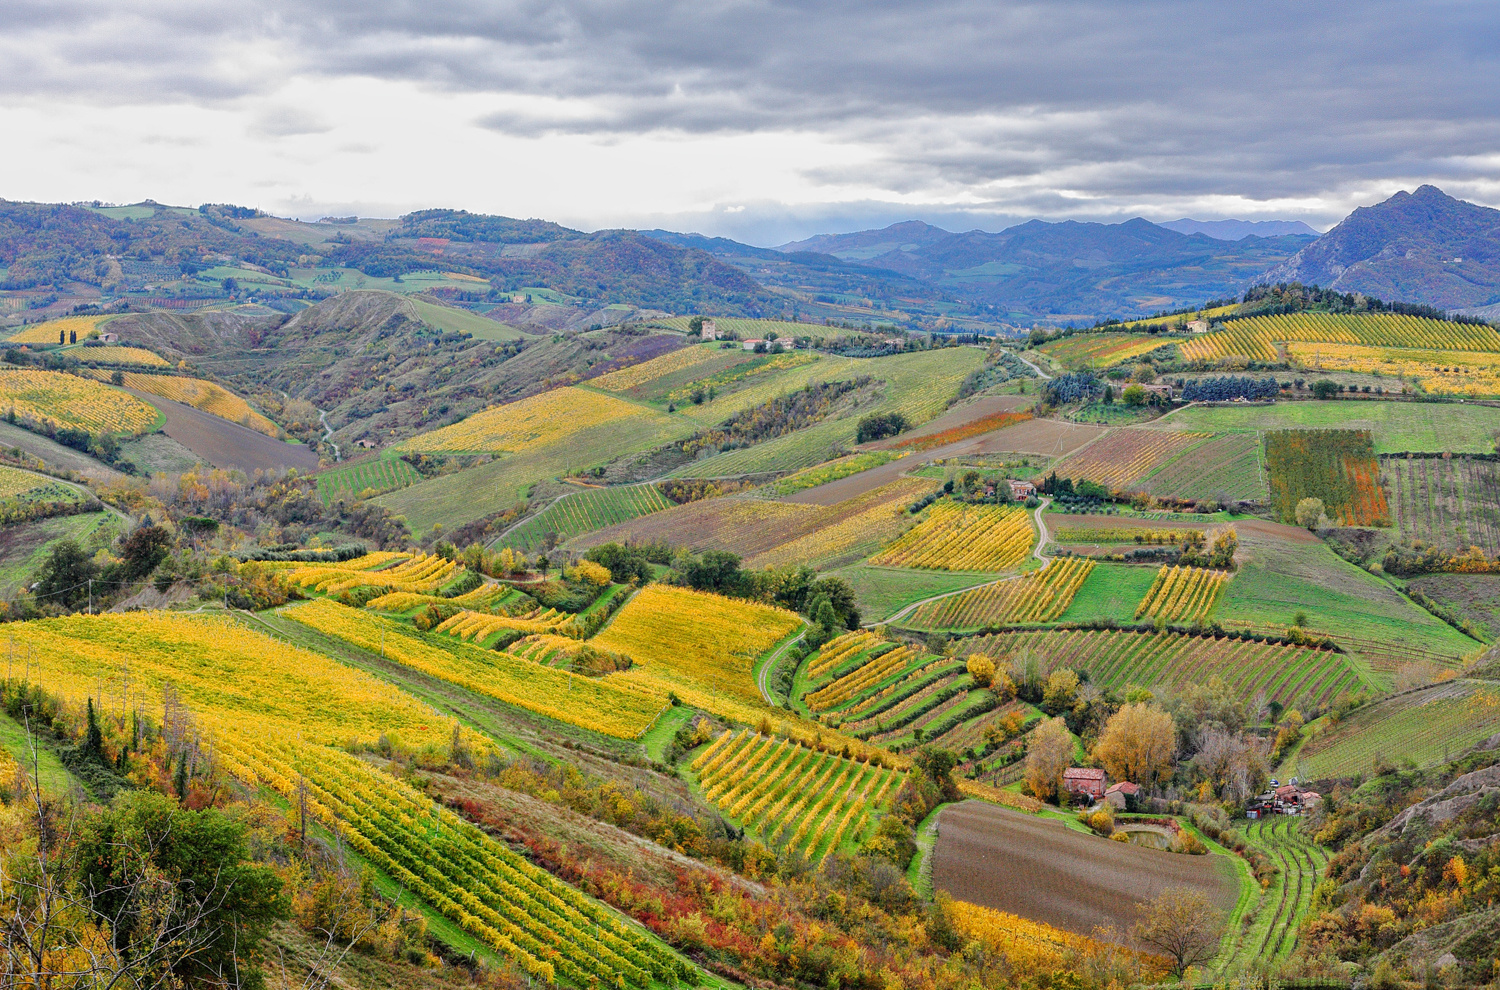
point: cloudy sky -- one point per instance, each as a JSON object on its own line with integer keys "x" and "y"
{"x": 765, "y": 121}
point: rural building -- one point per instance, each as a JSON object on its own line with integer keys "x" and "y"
{"x": 367, "y": 444}
{"x": 749, "y": 345}
{"x": 710, "y": 330}
{"x": 1021, "y": 489}
{"x": 109, "y": 337}
{"x": 1165, "y": 391}
{"x": 1288, "y": 799}
{"x": 1119, "y": 795}
{"x": 1198, "y": 326}
{"x": 1085, "y": 780}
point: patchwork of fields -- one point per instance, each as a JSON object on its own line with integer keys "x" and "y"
{"x": 1448, "y": 502}
{"x": 1422, "y": 727}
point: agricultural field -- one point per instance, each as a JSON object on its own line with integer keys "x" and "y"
{"x": 1256, "y": 337}
{"x": 118, "y": 354}
{"x": 422, "y": 574}
{"x": 1112, "y": 591}
{"x": 1183, "y": 594}
{"x": 69, "y": 401}
{"x": 1337, "y": 466}
{"x": 46, "y": 332}
{"x": 700, "y": 645}
{"x": 583, "y": 512}
{"x": 957, "y": 537}
{"x": 833, "y": 470}
{"x": 1027, "y": 945}
{"x": 1226, "y": 467}
{"x": 380, "y": 474}
{"x": 16, "y": 483}
{"x": 748, "y": 329}
{"x": 883, "y": 592}
{"x": 1038, "y": 596}
{"x": 660, "y": 374}
{"x": 1435, "y": 372}
{"x": 1181, "y": 319}
{"x": 1297, "y": 676}
{"x": 1300, "y": 863}
{"x": 988, "y": 423}
{"x": 278, "y": 714}
{"x": 598, "y": 704}
{"x": 478, "y": 627}
{"x": 1101, "y": 350}
{"x": 462, "y": 321}
{"x": 486, "y": 597}
{"x": 1397, "y": 427}
{"x": 549, "y": 419}
{"x": 1123, "y": 458}
{"x": 792, "y": 793}
{"x": 199, "y": 394}
{"x": 1423, "y": 727}
{"x": 1448, "y": 502}
{"x": 1037, "y": 869}
{"x": 1474, "y": 598}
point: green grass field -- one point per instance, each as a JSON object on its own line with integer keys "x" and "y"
{"x": 48, "y": 768}
{"x": 382, "y": 474}
{"x": 1397, "y": 426}
{"x": 583, "y": 512}
{"x": 884, "y": 591}
{"x": 463, "y": 321}
{"x": 1300, "y": 863}
{"x": 1111, "y": 591}
{"x": 23, "y": 547}
{"x": 748, "y": 329}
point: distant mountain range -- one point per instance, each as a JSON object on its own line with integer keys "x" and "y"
{"x": 1423, "y": 246}
{"x": 1233, "y": 230}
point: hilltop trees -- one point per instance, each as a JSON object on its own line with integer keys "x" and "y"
{"x": 1049, "y": 753}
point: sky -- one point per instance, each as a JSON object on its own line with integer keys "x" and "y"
{"x": 764, "y": 121}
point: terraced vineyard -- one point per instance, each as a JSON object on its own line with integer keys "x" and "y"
{"x": 70, "y": 401}
{"x": 957, "y": 537}
{"x": 476, "y": 627}
{"x": 1425, "y": 726}
{"x": 1300, "y": 863}
{"x": 422, "y": 574}
{"x": 1449, "y": 502}
{"x": 1122, "y": 458}
{"x": 792, "y": 793}
{"x": 583, "y": 512}
{"x": 1297, "y": 676}
{"x": 1256, "y": 337}
{"x": 1226, "y": 467}
{"x": 1039, "y": 596}
{"x": 381, "y": 474}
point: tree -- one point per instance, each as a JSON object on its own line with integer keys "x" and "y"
{"x": 1137, "y": 744}
{"x": 1134, "y": 395}
{"x": 1061, "y": 689}
{"x": 982, "y": 669}
{"x": 695, "y": 325}
{"x": 1048, "y": 754}
{"x": 65, "y": 574}
{"x": 1181, "y": 924}
{"x": 144, "y": 549}
{"x": 117, "y": 378}
{"x": 1324, "y": 388}
{"x": 1310, "y": 513}
{"x": 622, "y": 562}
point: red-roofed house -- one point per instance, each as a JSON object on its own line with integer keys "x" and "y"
{"x": 1119, "y": 795}
{"x": 1085, "y": 780}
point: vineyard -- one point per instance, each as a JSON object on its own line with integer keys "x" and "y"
{"x": 792, "y": 793}
{"x": 973, "y": 428}
{"x": 683, "y": 359}
{"x": 1436, "y": 372}
{"x": 1030, "y": 946}
{"x": 1039, "y": 596}
{"x": 591, "y": 703}
{"x": 848, "y": 530}
{"x": 1300, "y": 864}
{"x": 381, "y": 474}
{"x": 584, "y": 512}
{"x": 546, "y": 420}
{"x": 116, "y": 354}
{"x": 1124, "y": 457}
{"x": 422, "y": 574}
{"x": 957, "y": 537}
{"x": 477, "y": 627}
{"x": 1256, "y": 337}
{"x": 1337, "y": 466}
{"x": 213, "y": 399}
{"x": 47, "y": 332}
{"x": 1100, "y": 350}
{"x": 15, "y": 483}
{"x": 749, "y": 329}
{"x": 51, "y": 397}
{"x": 1427, "y": 726}
{"x": 1183, "y": 594}
{"x": 1296, "y": 676}
{"x": 1225, "y": 467}
{"x": 1448, "y": 502}
{"x": 486, "y": 596}
{"x": 833, "y": 470}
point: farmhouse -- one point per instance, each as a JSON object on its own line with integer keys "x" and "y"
{"x": 1164, "y": 391}
{"x": 1021, "y": 489}
{"x": 1119, "y": 795}
{"x": 366, "y": 443}
{"x": 109, "y": 337}
{"x": 749, "y": 345}
{"x": 1085, "y": 780}
{"x": 1198, "y": 326}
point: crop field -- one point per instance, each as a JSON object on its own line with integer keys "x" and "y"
{"x": 1126, "y": 456}
{"x": 747, "y": 329}
{"x": 848, "y": 530}
{"x": 277, "y": 714}
{"x": 834, "y": 470}
{"x": 583, "y": 512}
{"x": 1183, "y": 594}
{"x": 1337, "y": 466}
{"x": 973, "y": 428}
{"x": 1226, "y": 467}
{"x": 957, "y": 537}
{"x": 683, "y": 362}
{"x": 1297, "y": 676}
{"x": 792, "y": 793}
{"x": 46, "y": 332}
{"x": 1435, "y": 372}
{"x": 476, "y": 627}
{"x": 1425, "y": 727}
{"x": 199, "y": 394}
{"x": 1473, "y": 598}
{"x": 69, "y": 401}
{"x": 483, "y": 598}
{"x": 742, "y": 376}
{"x": 591, "y": 703}
{"x": 1278, "y": 579}
{"x": 884, "y": 591}
{"x": 684, "y": 639}
{"x": 16, "y": 483}
{"x": 119, "y": 354}
{"x": 545, "y": 420}
{"x": 1300, "y": 864}
{"x": 1256, "y": 337}
{"x": 1041, "y": 871}
{"x": 1039, "y": 596}
{"x": 1397, "y": 427}
{"x": 1449, "y": 502}
{"x": 422, "y": 574}
{"x": 1029, "y": 946}
{"x": 1143, "y": 535}
{"x": 1112, "y": 591}
{"x": 1181, "y": 319}
{"x": 879, "y": 666}
{"x": 1101, "y": 350}
{"x": 378, "y": 474}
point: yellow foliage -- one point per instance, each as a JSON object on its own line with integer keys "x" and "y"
{"x": 213, "y": 399}
{"x": 547, "y": 419}
{"x": 46, "y": 332}
{"x": 1183, "y": 594}
{"x": 70, "y": 401}
{"x": 956, "y": 537}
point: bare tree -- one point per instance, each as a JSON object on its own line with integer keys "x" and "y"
{"x": 1182, "y": 925}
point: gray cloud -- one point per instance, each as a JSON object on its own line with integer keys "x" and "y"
{"x": 1095, "y": 107}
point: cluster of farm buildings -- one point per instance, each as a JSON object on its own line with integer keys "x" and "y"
{"x": 1092, "y": 782}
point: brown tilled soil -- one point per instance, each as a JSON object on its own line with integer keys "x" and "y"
{"x": 224, "y": 444}
{"x": 1044, "y": 871}
{"x": 1259, "y": 527}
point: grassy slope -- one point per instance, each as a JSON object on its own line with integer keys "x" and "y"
{"x": 1397, "y": 426}
{"x": 463, "y": 321}
{"x": 1111, "y": 591}
{"x": 883, "y": 591}
{"x": 53, "y": 775}
{"x": 23, "y": 547}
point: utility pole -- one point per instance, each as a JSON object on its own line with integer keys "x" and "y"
{"x": 91, "y": 596}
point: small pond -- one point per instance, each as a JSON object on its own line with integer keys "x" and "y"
{"x": 1145, "y": 835}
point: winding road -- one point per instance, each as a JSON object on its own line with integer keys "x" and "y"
{"x": 770, "y": 664}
